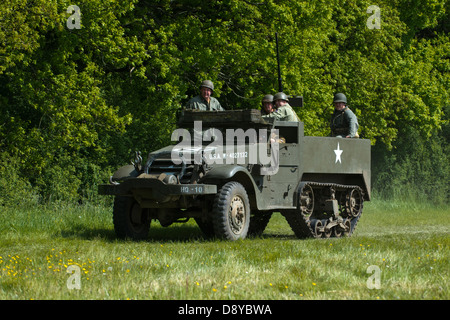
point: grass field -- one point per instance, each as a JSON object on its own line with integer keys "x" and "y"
{"x": 403, "y": 247}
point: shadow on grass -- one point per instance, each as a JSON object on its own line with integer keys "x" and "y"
{"x": 80, "y": 231}
{"x": 174, "y": 233}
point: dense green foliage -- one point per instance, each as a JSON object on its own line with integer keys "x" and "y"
{"x": 75, "y": 103}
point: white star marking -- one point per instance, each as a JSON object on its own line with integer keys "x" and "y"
{"x": 338, "y": 153}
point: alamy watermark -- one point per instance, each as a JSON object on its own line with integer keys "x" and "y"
{"x": 74, "y": 21}
{"x": 374, "y": 21}
{"x": 74, "y": 281}
{"x": 374, "y": 281}
{"x": 261, "y": 148}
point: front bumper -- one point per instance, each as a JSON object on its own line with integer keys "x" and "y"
{"x": 155, "y": 189}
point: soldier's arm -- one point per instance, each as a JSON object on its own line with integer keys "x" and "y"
{"x": 292, "y": 115}
{"x": 218, "y": 106}
{"x": 353, "y": 125}
{"x": 189, "y": 105}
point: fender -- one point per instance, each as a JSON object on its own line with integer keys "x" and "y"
{"x": 225, "y": 172}
{"x": 124, "y": 173}
{"x": 222, "y": 174}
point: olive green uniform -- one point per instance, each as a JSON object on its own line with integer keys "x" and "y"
{"x": 201, "y": 104}
{"x": 283, "y": 113}
{"x": 344, "y": 123}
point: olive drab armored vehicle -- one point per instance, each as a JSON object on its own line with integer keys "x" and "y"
{"x": 230, "y": 170}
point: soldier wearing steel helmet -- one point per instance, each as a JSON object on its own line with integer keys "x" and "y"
{"x": 283, "y": 111}
{"x": 343, "y": 123}
{"x": 267, "y": 106}
{"x": 205, "y": 101}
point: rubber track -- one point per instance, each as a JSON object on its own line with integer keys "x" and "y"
{"x": 301, "y": 224}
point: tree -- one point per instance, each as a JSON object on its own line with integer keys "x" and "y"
{"x": 86, "y": 98}
{"x": 53, "y": 102}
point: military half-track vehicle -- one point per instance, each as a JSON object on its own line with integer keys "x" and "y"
{"x": 230, "y": 170}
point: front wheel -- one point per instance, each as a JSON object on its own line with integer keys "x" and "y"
{"x": 231, "y": 212}
{"x": 130, "y": 220}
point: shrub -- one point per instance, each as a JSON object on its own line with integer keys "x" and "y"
{"x": 15, "y": 190}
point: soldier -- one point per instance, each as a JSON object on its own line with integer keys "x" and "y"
{"x": 267, "y": 104}
{"x": 205, "y": 101}
{"x": 343, "y": 121}
{"x": 283, "y": 111}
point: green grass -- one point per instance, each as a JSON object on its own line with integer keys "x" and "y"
{"x": 408, "y": 243}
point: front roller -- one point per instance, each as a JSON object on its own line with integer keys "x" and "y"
{"x": 299, "y": 219}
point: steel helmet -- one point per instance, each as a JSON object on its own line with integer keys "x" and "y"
{"x": 267, "y": 98}
{"x": 207, "y": 84}
{"x": 340, "y": 97}
{"x": 280, "y": 96}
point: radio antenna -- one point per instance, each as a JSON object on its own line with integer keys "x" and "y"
{"x": 280, "y": 84}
